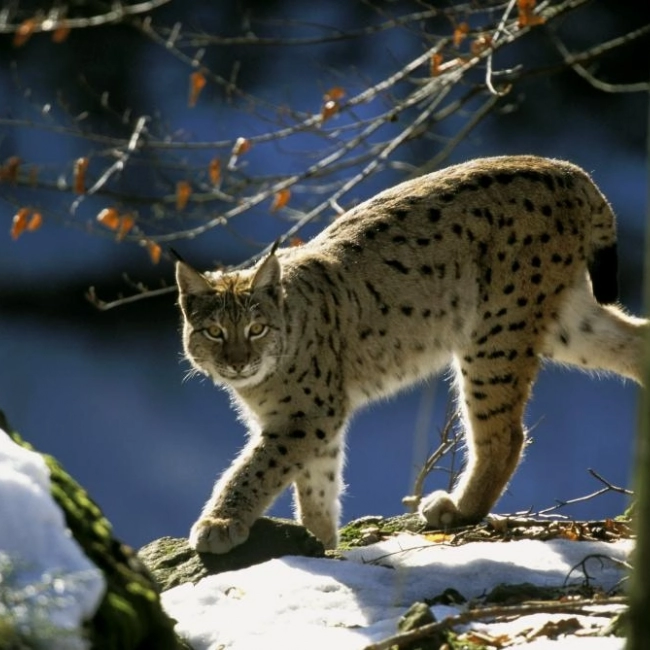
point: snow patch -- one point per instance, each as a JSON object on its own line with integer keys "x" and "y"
{"x": 48, "y": 587}
{"x": 298, "y": 602}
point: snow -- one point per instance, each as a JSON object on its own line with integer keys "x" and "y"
{"x": 298, "y": 602}
{"x": 48, "y": 586}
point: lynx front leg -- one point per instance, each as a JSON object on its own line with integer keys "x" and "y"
{"x": 492, "y": 396}
{"x": 255, "y": 479}
{"x": 317, "y": 495}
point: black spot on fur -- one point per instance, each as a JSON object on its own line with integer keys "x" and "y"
{"x": 484, "y": 180}
{"x": 397, "y": 265}
{"x": 504, "y": 178}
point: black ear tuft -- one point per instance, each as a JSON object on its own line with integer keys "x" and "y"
{"x": 176, "y": 255}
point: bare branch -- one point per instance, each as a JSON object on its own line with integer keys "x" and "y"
{"x": 573, "y": 61}
{"x": 582, "y": 606}
{"x": 56, "y": 21}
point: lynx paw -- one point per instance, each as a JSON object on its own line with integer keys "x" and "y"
{"x": 439, "y": 510}
{"x": 213, "y": 535}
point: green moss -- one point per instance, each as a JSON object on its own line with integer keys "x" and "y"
{"x": 355, "y": 533}
{"x": 130, "y": 617}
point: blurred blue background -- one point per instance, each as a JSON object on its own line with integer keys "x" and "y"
{"x": 104, "y": 391}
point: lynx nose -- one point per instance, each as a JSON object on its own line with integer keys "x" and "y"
{"x": 238, "y": 366}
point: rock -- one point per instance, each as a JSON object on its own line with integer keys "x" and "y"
{"x": 172, "y": 562}
{"x": 130, "y": 616}
{"x": 370, "y": 529}
{"x": 416, "y": 616}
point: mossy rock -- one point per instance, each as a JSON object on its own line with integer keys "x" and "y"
{"x": 172, "y": 562}
{"x": 130, "y": 616}
{"x": 371, "y": 529}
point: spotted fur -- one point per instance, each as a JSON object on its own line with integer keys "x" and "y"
{"x": 488, "y": 266}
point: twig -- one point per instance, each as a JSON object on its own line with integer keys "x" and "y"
{"x": 103, "y": 305}
{"x": 117, "y": 13}
{"x": 609, "y": 487}
{"x": 582, "y": 565}
{"x": 578, "y": 68}
{"x": 449, "y": 438}
{"x": 403, "y": 639}
{"x": 495, "y": 37}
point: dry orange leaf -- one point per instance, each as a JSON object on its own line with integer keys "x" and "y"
{"x": 35, "y": 222}
{"x": 214, "y": 171}
{"x": 9, "y": 171}
{"x": 126, "y": 224}
{"x": 460, "y": 33}
{"x": 242, "y": 145}
{"x": 19, "y": 222}
{"x": 280, "y": 199}
{"x": 60, "y": 34}
{"x": 436, "y": 61}
{"x": 334, "y": 94}
{"x": 79, "y": 175}
{"x": 526, "y": 16}
{"x": 480, "y": 44}
{"x": 154, "y": 251}
{"x": 24, "y": 32}
{"x": 331, "y": 103}
{"x": 329, "y": 109}
{"x": 439, "y": 538}
{"x": 183, "y": 191}
{"x": 109, "y": 218}
{"x": 197, "y": 84}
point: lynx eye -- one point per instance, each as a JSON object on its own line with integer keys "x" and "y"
{"x": 255, "y": 330}
{"x": 214, "y": 333}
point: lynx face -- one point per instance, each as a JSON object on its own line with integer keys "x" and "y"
{"x": 232, "y": 327}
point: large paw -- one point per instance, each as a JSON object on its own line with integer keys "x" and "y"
{"x": 439, "y": 510}
{"x": 214, "y": 535}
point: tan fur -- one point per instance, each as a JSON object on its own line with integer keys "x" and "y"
{"x": 483, "y": 266}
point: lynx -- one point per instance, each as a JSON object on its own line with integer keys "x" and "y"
{"x": 489, "y": 266}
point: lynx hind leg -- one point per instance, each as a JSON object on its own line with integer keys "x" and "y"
{"x": 492, "y": 395}
{"x": 317, "y": 492}
{"x": 597, "y": 337}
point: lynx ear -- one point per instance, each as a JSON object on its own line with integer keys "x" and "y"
{"x": 189, "y": 280}
{"x": 269, "y": 272}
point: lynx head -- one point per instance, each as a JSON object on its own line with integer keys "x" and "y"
{"x": 233, "y": 323}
